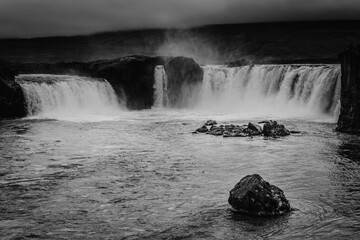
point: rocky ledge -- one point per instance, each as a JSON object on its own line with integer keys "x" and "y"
{"x": 349, "y": 119}
{"x": 254, "y": 195}
{"x": 269, "y": 129}
{"x": 12, "y": 102}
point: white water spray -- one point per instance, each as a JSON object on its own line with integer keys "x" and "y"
{"x": 67, "y": 97}
{"x": 267, "y": 90}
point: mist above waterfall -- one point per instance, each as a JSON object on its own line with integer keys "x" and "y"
{"x": 191, "y": 44}
{"x": 68, "y": 97}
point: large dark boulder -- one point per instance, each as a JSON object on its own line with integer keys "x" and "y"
{"x": 349, "y": 119}
{"x": 12, "y": 102}
{"x": 256, "y": 196}
{"x": 184, "y": 77}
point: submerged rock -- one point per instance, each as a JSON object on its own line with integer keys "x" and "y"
{"x": 256, "y": 196}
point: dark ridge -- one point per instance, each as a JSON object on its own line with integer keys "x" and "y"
{"x": 281, "y": 42}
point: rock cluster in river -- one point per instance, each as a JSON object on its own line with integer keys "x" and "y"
{"x": 269, "y": 129}
{"x": 254, "y": 195}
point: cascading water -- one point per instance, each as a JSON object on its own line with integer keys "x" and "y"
{"x": 62, "y": 96}
{"x": 267, "y": 90}
{"x": 160, "y": 87}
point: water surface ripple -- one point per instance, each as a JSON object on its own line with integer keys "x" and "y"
{"x": 144, "y": 175}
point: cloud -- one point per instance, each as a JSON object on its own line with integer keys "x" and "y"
{"x": 33, "y": 18}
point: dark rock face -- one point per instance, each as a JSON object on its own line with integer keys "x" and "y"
{"x": 349, "y": 119}
{"x": 255, "y": 196}
{"x": 133, "y": 76}
{"x": 184, "y": 76}
{"x": 12, "y": 102}
{"x": 273, "y": 129}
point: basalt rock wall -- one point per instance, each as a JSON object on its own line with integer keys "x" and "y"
{"x": 349, "y": 119}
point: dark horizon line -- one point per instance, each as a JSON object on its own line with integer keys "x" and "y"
{"x": 184, "y": 28}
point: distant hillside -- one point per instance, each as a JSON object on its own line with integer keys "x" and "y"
{"x": 260, "y": 42}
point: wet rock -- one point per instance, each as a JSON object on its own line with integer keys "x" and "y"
{"x": 255, "y": 196}
{"x": 210, "y": 123}
{"x": 202, "y": 129}
{"x": 273, "y": 129}
{"x": 349, "y": 119}
{"x": 131, "y": 77}
{"x": 184, "y": 78}
{"x": 12, "y": 100}
{"x": 226, "y": 134}
{"x": 214, "y": 127}
{"x": 217, "y": 131}
{"x": 255, "y": 128}
{"x": 265, "y": 121}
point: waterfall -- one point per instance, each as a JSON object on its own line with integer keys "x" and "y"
{"x": 160, "y": 87}
{"x": 62, "y": 96}
{"x": 267, "y": 90}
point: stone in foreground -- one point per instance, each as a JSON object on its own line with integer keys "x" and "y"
{"x": 254, "y": 195}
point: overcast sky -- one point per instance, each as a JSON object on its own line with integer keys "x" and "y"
{"x": 34, "y": 18}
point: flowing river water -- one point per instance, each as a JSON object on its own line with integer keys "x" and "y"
{"x": 111, "y": 173}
